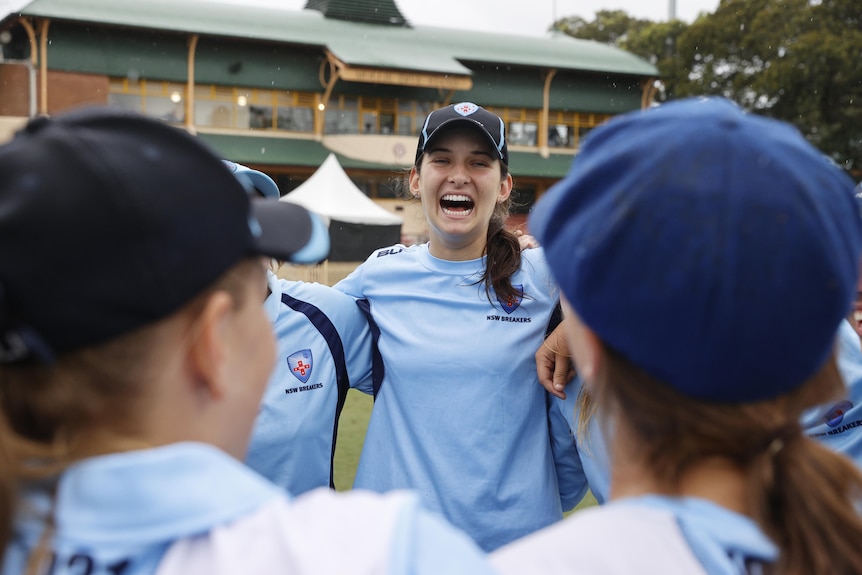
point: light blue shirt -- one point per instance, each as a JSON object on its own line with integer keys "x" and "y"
{"x": 839, "y": 424}
{"x": 460, "y": 416}
{"x": 324, "y": 348}
{"x": 725, "y": 542}
{"x": 119, "y": 514}
{"x": 592, "y": 448}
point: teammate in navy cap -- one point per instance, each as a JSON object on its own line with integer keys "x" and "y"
{"x": 133, "y": 365}
{"x": 323, "y": 348}
{"x": 706, "y": 259}
{"x": 458, "y": 415}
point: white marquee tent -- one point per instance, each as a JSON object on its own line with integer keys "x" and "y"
{"x": 357, "y": 226}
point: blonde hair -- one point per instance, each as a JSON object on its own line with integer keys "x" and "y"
{"x": 52, "y": 416}
{"x": 803, "y": 495}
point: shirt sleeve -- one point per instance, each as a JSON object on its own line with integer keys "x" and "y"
{"x": 571, "y": 478}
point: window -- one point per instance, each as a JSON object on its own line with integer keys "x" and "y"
{"x": 342, "y": 116}
{"x": 217, "y": 106}
{"x": 523, "y": 133}
{"x": 232, "y": 107}
{"x": 567, "y": 128}
{"x": 162, "y": 100}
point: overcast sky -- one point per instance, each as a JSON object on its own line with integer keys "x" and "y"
{"x": 531, "y": 17}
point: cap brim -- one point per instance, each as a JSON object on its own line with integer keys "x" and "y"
{"x": 289, "y": 232}
{"x": 253, "y": 179}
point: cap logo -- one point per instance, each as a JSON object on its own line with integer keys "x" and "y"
{"x": 300, "y": 364}
{"x": 465, "y": 108}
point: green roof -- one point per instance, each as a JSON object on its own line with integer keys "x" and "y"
{"x": 530, "y": 164}
{"x": 420, "y": 48}
{"x": 311, "y": 153}
{"x": 281, "y": 152}
{"x": 373, "y": 11}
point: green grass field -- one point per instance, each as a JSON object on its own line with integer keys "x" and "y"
{"x": 351, "y": 434}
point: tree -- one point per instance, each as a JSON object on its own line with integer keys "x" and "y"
{"x": 796, "y": 60}
{"x": 652, "y": 41}
{"x": 656, "y": 43}
{"x": 609, "y": 27}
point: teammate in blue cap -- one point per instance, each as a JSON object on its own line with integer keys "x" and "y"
{"x": 323, "y": 346}
{"x": 706, "y": 259}
{"x": 458, "y": 414}
{"x": 128, "y": 390}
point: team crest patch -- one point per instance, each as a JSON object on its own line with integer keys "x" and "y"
{"x": 466, "y": 108}
{"x": 837, "y": 413}
{"x": 300, "y": 364}
{"x": 513, "y": 304}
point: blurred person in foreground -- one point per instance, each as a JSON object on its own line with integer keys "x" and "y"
{"x": 132, "y": 368}
{"x": 706, "y": 258}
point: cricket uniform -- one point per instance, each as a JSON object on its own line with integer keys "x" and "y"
{"x": 324, "y": 348}
{"x": 839, "y": 424}
{"x": 460, "y": 416}
{"x": 190, "y": 509}
{"x": 643, "y": 535}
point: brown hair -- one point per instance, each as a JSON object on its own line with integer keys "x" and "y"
{"x": 502, "y": 248}
{"x": 802, "y": 494}
{"x": 52, "y": 416}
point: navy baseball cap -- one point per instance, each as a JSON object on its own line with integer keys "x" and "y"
{"x": 716, "y": 250}
{"x": 465, "y": 113}
{"x": 110, "y": 220}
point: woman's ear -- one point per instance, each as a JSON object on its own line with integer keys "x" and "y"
{"x": 505, "y": 188}
{"x": 207, "y": 351}
{"x": 585, "y": 346}
{"x": 413, "y": 178}
{"x": 592, "y": 352}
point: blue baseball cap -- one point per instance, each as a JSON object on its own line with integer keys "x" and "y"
{"x": 716, "y": 250}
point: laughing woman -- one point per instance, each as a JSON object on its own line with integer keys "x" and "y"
{"x": 458, "y": 415}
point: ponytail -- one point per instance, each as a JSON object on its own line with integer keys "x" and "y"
{"x": 503, "y": 253}
{"x": 804, "y": 496}
{"x": 503, "y": 259}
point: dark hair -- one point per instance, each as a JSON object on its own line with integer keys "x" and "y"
{"x": 803, "y": 495}
{"x": 502, "y": 248}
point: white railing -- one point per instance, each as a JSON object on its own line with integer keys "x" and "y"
{"x": 327, "y": 273}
